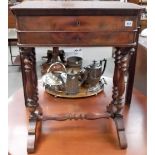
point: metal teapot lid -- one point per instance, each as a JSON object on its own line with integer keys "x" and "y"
{"x": 96, "y": 65}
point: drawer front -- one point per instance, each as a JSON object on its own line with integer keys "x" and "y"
{"x": 76, "y": 23}
{"x": 76, "y": 38}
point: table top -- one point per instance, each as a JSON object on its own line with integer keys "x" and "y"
{"x": 76, "y": 4}
{"x": 82, "y": 7}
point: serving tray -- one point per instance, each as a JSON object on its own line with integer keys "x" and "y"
{"x": 83, "y": 91}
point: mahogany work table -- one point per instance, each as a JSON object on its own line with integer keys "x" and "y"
{"x": 77, "y": 23}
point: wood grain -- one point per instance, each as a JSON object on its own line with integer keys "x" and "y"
{"x": 76, "y": 38}
{"x": 76, "y": 23}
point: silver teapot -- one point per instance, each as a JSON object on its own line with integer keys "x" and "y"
{"x": 93, "y": 72}
{"x": 55, "y": 78}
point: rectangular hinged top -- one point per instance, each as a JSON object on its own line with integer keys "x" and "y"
{"x": 74, "y": 7}
{"x": 76, "y": 4}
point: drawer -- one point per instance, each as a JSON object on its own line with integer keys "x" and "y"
{"x": 76, "y": 38}
{"x": 76, "y": 23}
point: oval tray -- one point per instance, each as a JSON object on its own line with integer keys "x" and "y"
{"x": 83, "y": 92}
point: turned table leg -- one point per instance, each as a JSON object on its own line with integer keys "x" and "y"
{"x": 28, "y": 64}
{"x": 116, "y": 106}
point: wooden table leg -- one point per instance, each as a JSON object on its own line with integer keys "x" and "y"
{"x": 116, "y": 106}
{"x": 28, "y": 64}
{"x": 131, "y": 70}
{"x": 131, "y": 74}
{"x": 120, "y": 131}
{"x": 52, "y": 56}
{"x": 34, "y": 130}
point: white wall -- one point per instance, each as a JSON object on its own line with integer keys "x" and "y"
{"x": 89, "y": 53}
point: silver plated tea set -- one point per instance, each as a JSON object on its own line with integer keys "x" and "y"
{"x": 73, "y": 80}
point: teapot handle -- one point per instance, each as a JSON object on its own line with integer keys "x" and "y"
{"x": 105, "y": 64}
{"x": 83, "y": 72}
{"x": 55, "y": 67}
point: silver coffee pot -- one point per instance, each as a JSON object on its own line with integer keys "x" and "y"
{"x": 93, "y": 72}
{"x": 73, "y": 82}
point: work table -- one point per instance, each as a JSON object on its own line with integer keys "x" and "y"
{"x": 78, "y": 23}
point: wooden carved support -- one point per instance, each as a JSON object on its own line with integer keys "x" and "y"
{"x": 28, "y": 64}
{"x": 74, "y": 116}
{"x": 54, "y": 55}
{"x": 121, "y": 65}
{"x": 131, "y": 73}
{"x": 120, "y": 131}
{"x": 131, "y": 69}
{"x": 115, "y": 107}
{"x": 34, "y": 131}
